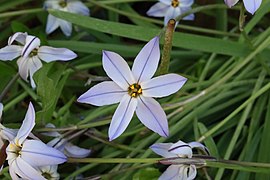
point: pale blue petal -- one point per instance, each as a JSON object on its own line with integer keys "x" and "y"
{"x": 52, "y": 24}
{"x": 181, "y": 149}
{"x": 158, "y": 10}
{"x": 49, "y": 54}
{"x": 162, "y": 149}
{"x": 252, "y": 5}
{"x": 151, "y": 114}
{"x": 11, "y": 52}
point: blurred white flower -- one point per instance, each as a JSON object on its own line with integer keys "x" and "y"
{"x": 26, "y": 155}
{"x": 179, "y": 149}
{"x": 62, "y": 144}
{"x": 30, "y": 54}
{"x": 250, "y": 5}
{"x": 170, "y": 9}
{"x": 134, "y": 90}
{"x": 72, "y": 6}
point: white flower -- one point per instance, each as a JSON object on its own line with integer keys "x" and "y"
{"x": 250, "y": 5}
{"x": 49, "y": 172}
{"x": 64, "y": 146}
{"x": 179, "y": 149}
{"x": 26, "y": 155}
{"x": 170, "y": 9}
{"x": 30, "y": 54}
{"x": 72, "y": 6}
{"x": 134, "y": 90}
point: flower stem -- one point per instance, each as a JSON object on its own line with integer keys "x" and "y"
{"x": 21, "y": 12}
{"x": 114, "y": 160}
{"x": 242, "y": 17}
{"x": 10, "y": 83}
{"x": 166, "y": 55}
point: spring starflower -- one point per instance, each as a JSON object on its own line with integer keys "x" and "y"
{"x": 73, "y": 6}
{"x": 179, "y": 149}
{"x": 170, "y": 9}
{"x": 25, "y": 155}
{"x": 250, "y": 5}
{"x": 30, "y": 54}
{"x": 134, "y": 90}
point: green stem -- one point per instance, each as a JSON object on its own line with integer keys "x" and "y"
{"x": 114, "y": 160}
{"x": 21, "y": 12}
{"x": 166, "y": 55}
{"x": 8, "y": 86}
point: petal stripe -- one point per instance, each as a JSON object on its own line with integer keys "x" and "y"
{"x": 116, "y": 67}
{"x": 147, "y": 60}
{"x": 154, "y": 116}
{"x": 185, "y": 145}
{"x": 164, "y": 84}
{"x": 120, "y": 125}
{"x": 28, "y": 46}
{"x": 105, "y": 93}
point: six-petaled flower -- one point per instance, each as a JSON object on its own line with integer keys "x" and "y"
{"x": 182, "y": 150}
{"x": 30, "y": 54}
{"x": 73, "y": 6}
{"x": 134, "y": 89}
{"x": 170, "y": 9}
{"x": 250, "y": 5}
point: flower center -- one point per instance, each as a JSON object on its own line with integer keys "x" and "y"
{"x": 16, "y": 149}
{"x": 175, "y": 3}
{"x": 134, "y": 90}
{"x": 46, "y": 175}
{"x": 63, "y": 3}
{"x": 33, "y": 53}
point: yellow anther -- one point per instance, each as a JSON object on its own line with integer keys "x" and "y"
{"x": 63, "y": 3}
{"x": 175, "y": 3}
{"x": 134, "y": 90}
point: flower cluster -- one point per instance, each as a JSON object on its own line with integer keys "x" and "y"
{"x": 30, "y": 54}
{"x": 27, "y": 156}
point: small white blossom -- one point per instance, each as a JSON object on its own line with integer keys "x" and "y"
{"x": 179, "y": 149}
{"x": 250, "y": 5}
{"x": 72, "y": 6}
{"x": 49, "y": 172}
{"x": 170, "y": 9}
{"x": 134, "y": 89}
{"x": 30, "y": 54}
{"x": 26, "y": 155}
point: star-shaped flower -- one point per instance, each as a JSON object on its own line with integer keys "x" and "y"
{"x": 72, "y": 6}
{"x": 30, "y": 54}
{"x": 170, "y": 9}
{"x": 179, "y": 149}
{"x": 250, "y": 5}
{"x": 134, "y": 90}
{"x": 26, "y": 155}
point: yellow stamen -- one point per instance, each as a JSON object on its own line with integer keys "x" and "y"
{"x": 175, "y": 3}
{"x": 134, "y": 90}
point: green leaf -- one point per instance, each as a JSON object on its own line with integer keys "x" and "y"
{"x": 183, "y": 40}
{"x": 146, "y": 174}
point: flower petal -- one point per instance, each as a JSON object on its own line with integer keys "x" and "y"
{"x": 158, "y": 10}
{"x": 34, "y": 64}
{"x": 200, "y": 146}
{"x": 105, "y": 93}
{"x": 10, "y": 52}
{"x": 31, "y": 43}
{"x": 122, "y": 116}
{"x": 1, "y": 109}
{"x": 27, "y": 125}
{"x": 52, "y": 24}
{"x": 8, "y": 134}
{"x": 192, "y": 172}
{"x": 23, "y": 64}
{"x": 231, "y": 3}
{"x": 75, "y": 151}
{"x": 164, "y": 85}
{"x": 181, "y": 149}
{"x": 146, "y": 62}
{"x": 168, "y": 2}
{"x": 186, "y": 3}
{"x": 49, "y": 54}
{"x": 172, "y": 13}
{"x": 19, "y": 37}
{"x": 171, "y": 173}
{"x": 117, "y": 69}
{"x": 78, "y": 7}
{"x": 24, "y": 170}
{"x": 162, "y": 149}
{"x": 65, "y": 26}
{"x": 37, "y": 153}
{"x": 152, "y": 115}
{"x": 51, "y": 133}
{"x": 252, "y": 5}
